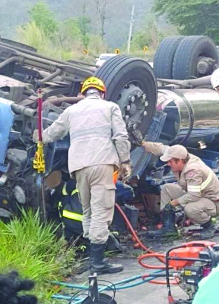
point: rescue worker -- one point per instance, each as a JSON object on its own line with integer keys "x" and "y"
{"x": 197, "y": 189}
{"x": 70, "y": 210}
{"x": 66, "y": 198}
{"x": 98, "y": 145}
{"x": 215, "y": 80}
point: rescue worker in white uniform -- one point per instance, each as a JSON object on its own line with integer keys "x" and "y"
{"x": 98, "y": 146}
{"x": 197, "y": 188}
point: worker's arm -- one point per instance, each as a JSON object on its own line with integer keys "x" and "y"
{"x": 194, "y": 182}
{"x": 120, "y": 135}
{"x": 58, "y": 129}
{"x": 154, "y": 148}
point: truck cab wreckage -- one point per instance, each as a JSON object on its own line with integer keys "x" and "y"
{"x": 174, "y": 103}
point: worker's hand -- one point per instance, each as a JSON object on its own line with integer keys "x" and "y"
{"x": 124, "y": 172}
{"x": 35, "y": 136}
{"x": 174, "y": 203}
{"x": 137, "y": 138}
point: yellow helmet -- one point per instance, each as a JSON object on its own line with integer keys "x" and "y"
{"x": 93, "y": 82}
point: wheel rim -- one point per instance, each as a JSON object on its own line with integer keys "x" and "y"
{"x": 133, "y": 104}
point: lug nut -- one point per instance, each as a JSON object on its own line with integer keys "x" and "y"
{"x": 144, "y": 96}
{"x": 127, "y": 117}
{"x": 139, "y": 93}
{"x": 128, "y": 107}
{"x": 132, "y": 98}
{"x": 145, "y": 113}
{"x": 146, "y": 103}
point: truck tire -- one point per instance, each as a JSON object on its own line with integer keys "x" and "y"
{"x": 163, "y": 59}
{"x": 124, "y": 77}
{"x": 189, "y": 51}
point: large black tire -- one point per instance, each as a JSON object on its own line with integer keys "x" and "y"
{"x": 188, "y": 54}
{"x": 163, "y": 59}
{"x": 119, "y": 72}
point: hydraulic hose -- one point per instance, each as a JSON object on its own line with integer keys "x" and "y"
{"x": 150, "y": 254}
{"x": 160, "y": 257}
{"x": 126, "y": 283}
{"x": 119, "y": 286}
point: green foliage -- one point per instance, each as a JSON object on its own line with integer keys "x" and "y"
{"x": 44, "y": 18}
{"x": 192, "y": 17}
{"x": 69, "y": 37}
{"x": 149, "y": 35}
{"x": 33, "y": 35}
{"x": 32, "y": 249}
{"x": 84, "y": 25}
{"x": 96, "y": 46}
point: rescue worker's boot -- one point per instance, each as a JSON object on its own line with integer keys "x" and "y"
{"x": 169, "y": 227}
{"x": 98, "y": 264}
{"x": 208, "y": 230}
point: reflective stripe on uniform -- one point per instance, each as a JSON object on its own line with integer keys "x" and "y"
{"x": 69, "y": 214}
{"x": 194, "y": 188}
{"x": 72, "y": 215}
{"x": 65, "y": 193}
{"x": 66, "y": 213}
{"x": 199, "y": 188}
{"x": 207, "y": 181}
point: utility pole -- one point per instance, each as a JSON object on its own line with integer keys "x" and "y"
{"x": 130, "y": 30}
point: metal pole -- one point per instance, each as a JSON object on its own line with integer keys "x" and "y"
{"x": 130, "y": 30}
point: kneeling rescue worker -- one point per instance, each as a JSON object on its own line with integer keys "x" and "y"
{"x": 98, "y": 145}
{"x": 196, "y": 190}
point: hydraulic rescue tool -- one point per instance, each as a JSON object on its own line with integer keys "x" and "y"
{"x": 96, "y": 297}
{"x": 191, "y": 262}
{"x": 39, "y": 162}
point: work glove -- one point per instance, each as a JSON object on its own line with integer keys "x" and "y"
{"x": 136, "y": 137}
{"x": 124, "y": 172}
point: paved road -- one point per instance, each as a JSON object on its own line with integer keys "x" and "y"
{"x": 146, "y": 293}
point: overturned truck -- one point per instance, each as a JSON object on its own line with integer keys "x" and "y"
{"x": 178, "y": 107}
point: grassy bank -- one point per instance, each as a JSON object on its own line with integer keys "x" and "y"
{"x": 31, "y": 248}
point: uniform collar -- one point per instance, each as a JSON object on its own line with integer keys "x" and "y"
{"x": 192, "y": 159}
{"x": 93, "y": 97}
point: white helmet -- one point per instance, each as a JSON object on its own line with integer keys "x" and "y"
{"x": 215, "y": 79}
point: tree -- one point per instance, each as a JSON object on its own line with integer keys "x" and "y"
{"x": 44, "y": 18}
{"x": 101, "y": 6}
{"x": 192, "y": 17}
{"x": 84, "y": 26}
{"x": 149, "y": 35}
{"x": 69, "y": 33}
{"x": 84, "y": 23}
